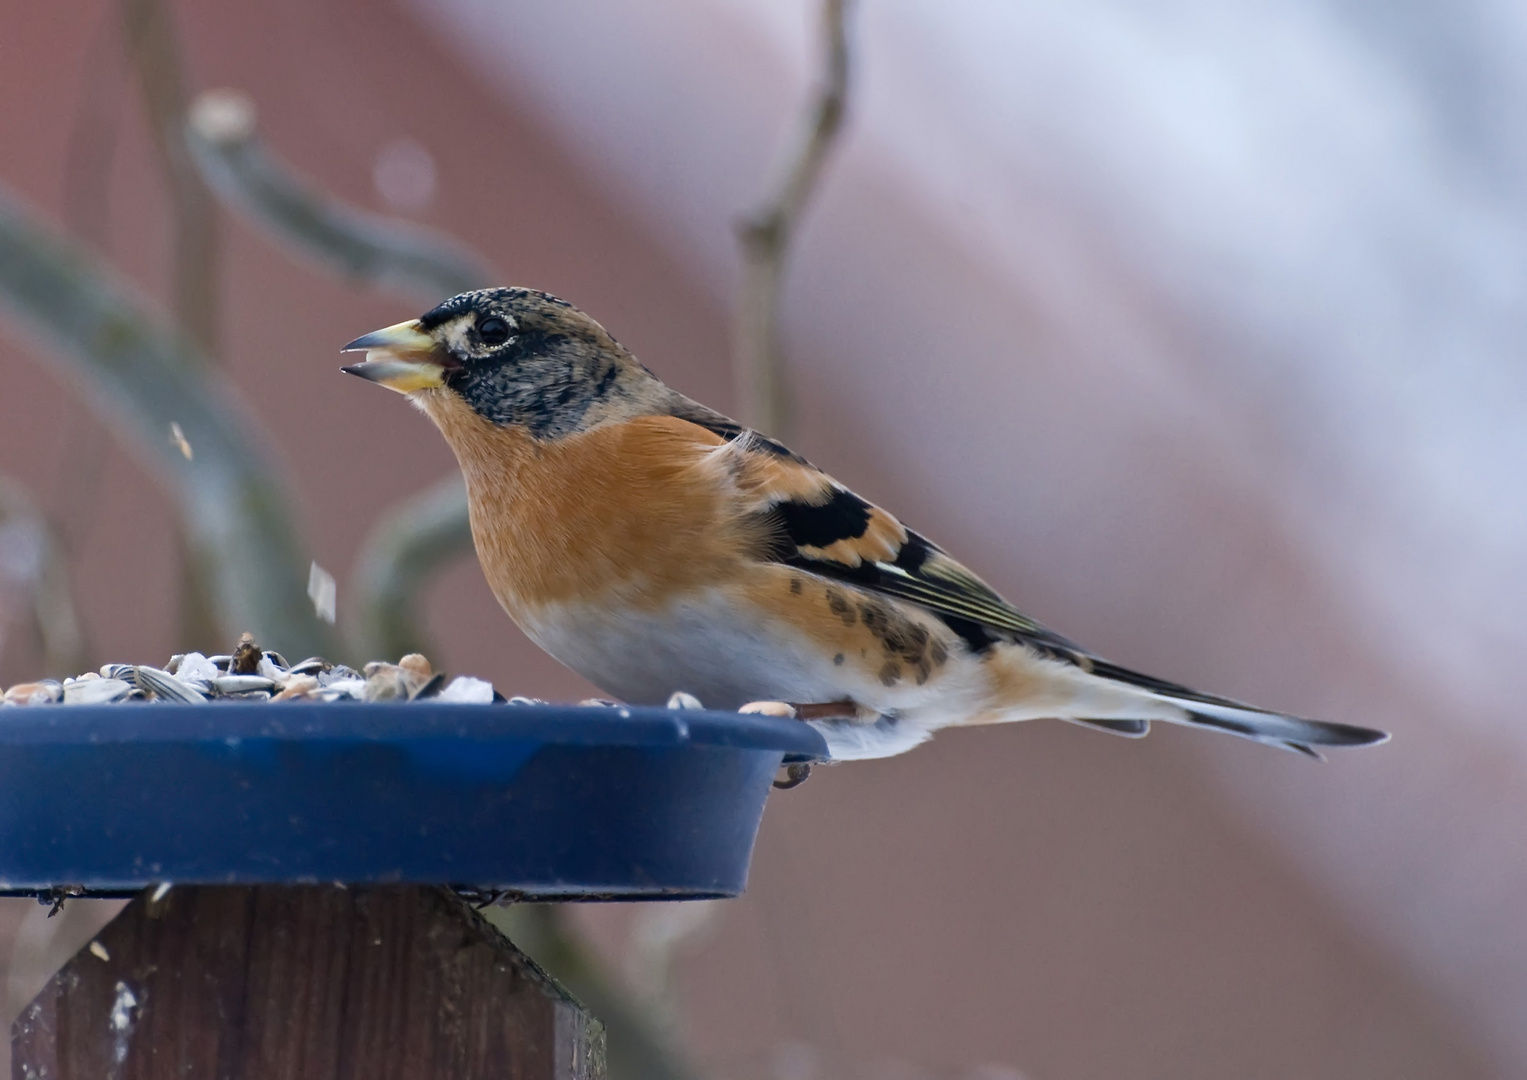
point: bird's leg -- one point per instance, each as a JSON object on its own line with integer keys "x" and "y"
{"x": 829, "y": 710}
{"x": 815, "y": 710}
{"x": 795, "y": 775}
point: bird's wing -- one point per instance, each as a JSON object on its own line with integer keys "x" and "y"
{"x": 813, "y": 523}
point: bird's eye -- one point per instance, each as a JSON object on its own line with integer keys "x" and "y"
{"x": 493, "y": 330}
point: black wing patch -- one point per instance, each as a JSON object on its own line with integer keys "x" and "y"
{"x": 920, "y": 573}
{"x": 844, "y": 516}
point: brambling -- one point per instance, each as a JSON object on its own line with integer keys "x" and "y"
{"x": 655, "y": 546}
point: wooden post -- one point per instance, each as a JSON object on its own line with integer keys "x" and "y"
{"x": 303, "y": 983}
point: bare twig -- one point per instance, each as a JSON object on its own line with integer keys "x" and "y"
{"x": 73, "y": 508}
{"x": 766, "y": 232}
{"x": 141, "y": 376}
{"x": 405, "y": 546}
{"x": 32, "y": 558}
{"x": 366, "y": 248}
{"x": 149, "y": 29}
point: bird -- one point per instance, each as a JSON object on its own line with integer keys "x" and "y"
{"x": 657, "y": 547}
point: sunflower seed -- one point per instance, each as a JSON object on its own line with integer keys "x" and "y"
{"x": 322, "y": 592}
{"x": 241, "y": 684}
{"x": 246, "y": 657}
{"x": 178, "y": 438}
{"x": 95, "y": 691}
{"x": 165, "y": 686}
{"x": 249, "y": 695}
{"x": 387, "y": 682}
{"x": 255, "y": 674}
{"x": 270, "y": 669}
{"x": 466, "y": 690}
{"x": 344, "y": 689}
{"x": 42, "y": 692}
{"x": 416, "y": 665}
{"x": 197, "y": 670}
{"x": 431, "y": 688}
{"x": 297, "y": 688}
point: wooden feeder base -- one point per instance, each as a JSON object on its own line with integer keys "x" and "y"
{"x": 277, "y": 982}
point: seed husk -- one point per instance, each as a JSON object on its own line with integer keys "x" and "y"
{"x": 96, "y": 691}
{"x": 165, "y": 686}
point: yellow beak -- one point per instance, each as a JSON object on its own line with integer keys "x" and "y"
{"x": 402, "y": 358}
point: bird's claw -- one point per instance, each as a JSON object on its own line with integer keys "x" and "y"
{"x": 795, "y": 776}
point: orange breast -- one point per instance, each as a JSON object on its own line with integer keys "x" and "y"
{"x": 630, "y": 508}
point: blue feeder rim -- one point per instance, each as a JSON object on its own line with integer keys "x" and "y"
{"x": 545, "y": 802}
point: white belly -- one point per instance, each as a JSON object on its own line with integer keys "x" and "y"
{"x": 704, "y": 645}
{"x": 697, "y": 644}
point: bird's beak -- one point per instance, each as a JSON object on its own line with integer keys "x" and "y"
{"x": 402, "y": 358}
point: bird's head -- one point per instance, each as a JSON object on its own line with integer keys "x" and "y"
{"x": 515, "y": 356}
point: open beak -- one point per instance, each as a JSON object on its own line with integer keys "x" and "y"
{"x": 402, "y": 358}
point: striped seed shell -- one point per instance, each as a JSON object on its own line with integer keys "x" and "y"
{"x": 165, "y": 686}
{"x": 43, "y": 692}
{"x": 241, "y": 684}
{"x": 96, "y": 691}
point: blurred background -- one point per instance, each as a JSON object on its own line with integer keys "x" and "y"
{"x": 1196, "y": 329}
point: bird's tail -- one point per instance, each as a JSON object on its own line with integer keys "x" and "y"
{"x": 1237, "y": 718}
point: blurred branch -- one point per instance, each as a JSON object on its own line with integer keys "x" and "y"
{"x": 636, "y": 1050}
{"x": 73, "y": 507}
{"x": 32, "y": 557}
{"x": 406, "y": 545}
{"x": 142, "y": 376}
{"x": 765, "y": 236}
{"x": 149, "y": 29}
{"x": 416, "y": 537}
{"x": 366, "y": 248}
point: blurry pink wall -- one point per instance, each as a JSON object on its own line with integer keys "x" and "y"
{"x": 1037, "y": 899}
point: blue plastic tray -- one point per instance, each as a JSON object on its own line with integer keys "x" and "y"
{"x": 544, "y": 801}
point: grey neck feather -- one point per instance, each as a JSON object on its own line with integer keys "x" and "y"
{"x": 555, "y": 385}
